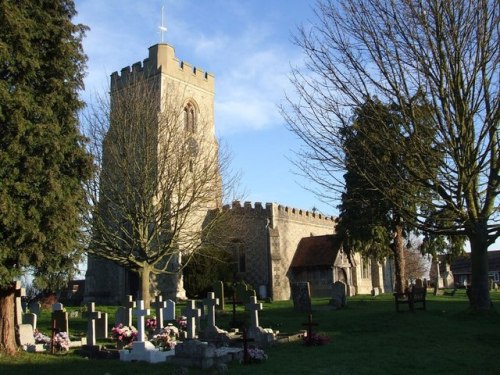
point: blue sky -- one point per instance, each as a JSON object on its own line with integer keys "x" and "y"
{"x": 247, "y": 45}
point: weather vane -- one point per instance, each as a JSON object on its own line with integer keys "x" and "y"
{"x": 162, "y": 27}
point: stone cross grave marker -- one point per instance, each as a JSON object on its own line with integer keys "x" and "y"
{"x": 129, "y": 305}
{"x": 301, "y": 295}
{"x": 218, "y": 288}
{"x": 60, "y": 321}
{"x": 253, "y": 307}
{"x": 141, "y": 314}
{"x": 159, "y": 304}
{"x": 192, "y": 313}
{"x": 92, "y": 316}
{"x": 30, "y": 318}
{"x": 210, "y": 302}
{"x": 169, "y": 311}
{"x": 19, "y": 293}
{"x": 310, "y": 323}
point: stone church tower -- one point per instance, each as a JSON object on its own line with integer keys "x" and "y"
{"x": 183, "y": 98}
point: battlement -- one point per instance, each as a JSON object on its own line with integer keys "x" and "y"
{"x": 278, "y": 211}
{"x": 162, "y": 60}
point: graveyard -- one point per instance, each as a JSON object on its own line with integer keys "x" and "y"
{"x": 366, "y": 336}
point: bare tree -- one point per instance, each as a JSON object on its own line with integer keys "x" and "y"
{"x": 158, "y": 173}
{"x": 445, "y": 51}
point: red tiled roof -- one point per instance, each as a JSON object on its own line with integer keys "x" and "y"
{"x": 316, "y": 251}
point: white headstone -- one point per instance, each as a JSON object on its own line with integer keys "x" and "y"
{"x": 92, "y": 317}
{"x": 159, "y": 305}
{"x": 253, "y": 307}
{"x": 191, "y": 313}
{"x": 210, "y": 302}
{"x": 141, "y": 313}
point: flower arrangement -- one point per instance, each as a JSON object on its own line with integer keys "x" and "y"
{"x": 182, "y": 323}
{"x": 167, "y": 338}
{"x": 124, "y": 334}
{"x": 316, "y": 339}
{"x": 61, "y": 340}
{"x": 151, "y": 324}
{"x": 256, "y": 355}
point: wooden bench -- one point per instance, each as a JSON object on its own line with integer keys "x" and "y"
{"x": 411, "y": 298}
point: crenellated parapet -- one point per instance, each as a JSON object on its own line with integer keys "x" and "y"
{"x": 162, "y": 60}
{"x": 274, "y": 210}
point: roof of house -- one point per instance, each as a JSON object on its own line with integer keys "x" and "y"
{"x": 462, "y": 265}
{"x": 316, "y": 251}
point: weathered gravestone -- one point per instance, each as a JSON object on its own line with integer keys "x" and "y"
{"x": 27, "y": 340}
{"x": 121, "y": 315}
{"x": 419, "y": 283}
{"x": 218, "y": 288}
{"x": 339, "y": 292}
{"x": 57, "y": 307}
{"x": 243, "y": 293}
{"x": 30, "y": 318}
{"x": 301, "y": 296}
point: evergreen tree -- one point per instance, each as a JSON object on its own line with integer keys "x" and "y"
{"x": 42, "y": 156}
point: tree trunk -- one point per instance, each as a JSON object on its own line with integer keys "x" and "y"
{"x": 399, "y": 259}
{"x": 144, "y": 288}
{"x": 7, "y": 326}
{"x": 479, "y": 296}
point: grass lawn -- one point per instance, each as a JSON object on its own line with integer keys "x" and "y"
{"x": 367, "y": 337}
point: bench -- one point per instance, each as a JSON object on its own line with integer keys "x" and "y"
{"x": 411, "y": 298}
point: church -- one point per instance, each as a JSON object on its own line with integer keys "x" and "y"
{"x": 280, "y": 245}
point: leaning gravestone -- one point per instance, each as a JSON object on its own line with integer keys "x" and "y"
{"x": 339, "y": 292}
{"x": 301, "y": 296}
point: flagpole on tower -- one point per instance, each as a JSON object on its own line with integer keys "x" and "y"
{"x": 162, "y": 27}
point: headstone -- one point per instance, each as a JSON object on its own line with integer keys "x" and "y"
{"x": 419, "y": 283}
{"x": 169, "y": 310}
{"x": 92, "y": 316}
{"x": 159, "y": 305}
{"x": 34, "y": 307}
{"x": 339, "y": 292}
{"x": 253, "y": 307}
{"x": 129, "y": 306}
{"x": 301, "y": 296}
{"x": 218, "y": 288}
{"x": 191, "y": 313}
{"x": 26, "y": 334}
{"x": 101, "y": 326}
{"x": 30, "y": 318}
{"x": 211, "y": 330}
{"x": 19, "y": 293}
{"x": 61, "y": 321}
{"x": 121, "y": 316}
{"x": 141, "y": 314}
{"x": 57, "y": 307}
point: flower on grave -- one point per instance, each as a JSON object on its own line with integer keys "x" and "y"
{"x": 256, "y": 354}
{"x": 182, "y": 323}
{"x": 124, "y": 334}
{"x": 316, "y": 339}
{"x": 40, "y": 338}
{"x": 62, "y": 341}
{"x": 151, "y": 324}
{"x": 167, "y": 338}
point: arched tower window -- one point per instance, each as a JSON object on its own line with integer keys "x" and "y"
{"x": 190, "y": 118}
